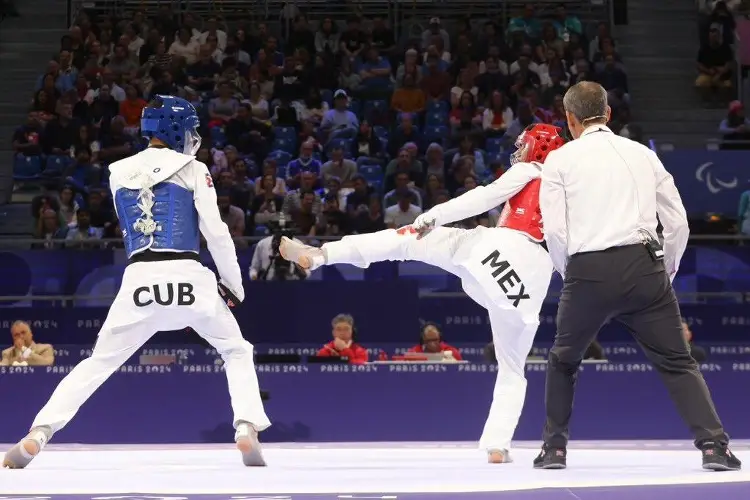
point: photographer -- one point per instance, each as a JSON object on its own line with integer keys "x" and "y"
{"x": 268, "y": 265}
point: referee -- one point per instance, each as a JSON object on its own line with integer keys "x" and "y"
{"x": 600, "y": 195}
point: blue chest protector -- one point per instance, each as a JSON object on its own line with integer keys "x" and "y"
{"x": 173, "y": 211}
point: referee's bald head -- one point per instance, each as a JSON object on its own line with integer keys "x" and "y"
{"x": 585, "y": 105}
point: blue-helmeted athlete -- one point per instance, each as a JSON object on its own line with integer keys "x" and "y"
{"x": 165, "y": 199}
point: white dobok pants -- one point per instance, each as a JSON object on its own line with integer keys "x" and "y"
{"x": 500, "y": 269}
{"x": 191, "y": 299}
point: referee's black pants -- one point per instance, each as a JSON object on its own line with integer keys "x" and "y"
{"x": 624, "y": 284}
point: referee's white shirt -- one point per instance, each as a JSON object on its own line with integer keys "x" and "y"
{"x": 599, "y": 190}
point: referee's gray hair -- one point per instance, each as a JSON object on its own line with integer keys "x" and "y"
{"x": 587, "y": 101}
{"x": 342, "y": 318}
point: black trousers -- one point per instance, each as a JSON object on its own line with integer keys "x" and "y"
{"x": 624, "y": 284}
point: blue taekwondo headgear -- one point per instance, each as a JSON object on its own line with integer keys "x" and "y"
{"x": 173, "y": 121}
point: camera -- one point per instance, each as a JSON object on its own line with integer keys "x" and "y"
{"x": 283, "y": 270}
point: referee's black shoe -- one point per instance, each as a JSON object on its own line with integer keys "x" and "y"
{"x": 551, "y": 458}
{"x": 718, "y": 457}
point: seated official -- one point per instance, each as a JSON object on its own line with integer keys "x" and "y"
{"x": 431, "y": 342}
{"x": 25, "y": 352}
{"x": 344, "y": 343}
{"x": 697, "y": 352}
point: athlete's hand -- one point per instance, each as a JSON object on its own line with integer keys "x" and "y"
{"x": 423, "y": 224}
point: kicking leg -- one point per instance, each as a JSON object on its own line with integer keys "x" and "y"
{"x": 223, "y": 332}
{"x": 435, "y": 248}
{"x": 113, "y": 347}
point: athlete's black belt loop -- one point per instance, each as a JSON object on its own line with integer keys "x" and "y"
{"x": 151, "y": 256}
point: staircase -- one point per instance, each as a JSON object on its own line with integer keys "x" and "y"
{"x": 26, "y": 44}
{"x": 659, "y": 47}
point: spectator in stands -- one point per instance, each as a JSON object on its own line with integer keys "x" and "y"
{"x": 433, "y": 185}
{"x": 232, "y": 216}
{"x": 327, "y": 39}
{"x": 116, "y": 144}
{"x": 100, "y": 210}
{"x": 743, "y": 214}
{"x": 435, "y": 29}
{"x": 60, "y": 133}
{"x": 498, "y": 116}
{"x": 404, "y": 133}
{"x": 26, "y": 352}
{"x": 404, "y": 212}
{"x": 338, "y": 166}
{"x": 410, "y": 66}
{"x": 403, "y": 163}
{"x": 359, "y": 198}
{"x": 436, "y": 83}
{"x": 269, "y": 168}
{"x": 83, "y": 231}
{"x": 332, "y": 221}
{"x": 222, "y": 108}
{"x": 408, "y": 98}
{"x": 595, "y": 46}
{"x": 344, "y": 344}
{"x": 121, "y": 65}
{"x": 306, "y": 215}
{"x": 352, "y": 41}
{"x": 293, "y": 199}
{"x": 735, "y": 127}
{"x": 526, "y": 23}
{"x": 697, "y": 352}
{"x": 301, "y": 36}
{"x": 567, "y": 24}
{"x": 258, "y": 105}
{"x": 267, "y": 204}
{"x": 465, "y": 83}
{"x": 714, "y": 67}
{"x": 249, "y": 134}
{"x": 551, "y": 42}
{"x": 26, "y": 138}
{"x": 68, "y": 205}
{"x": 213, "y": 30}
{"x": 461, "y": 169}
{"x": 366, "y": 146}
{"x": 722, "y": 20}
{"x": 523, "y": 119}
{"x": 44, "y": 106}
{"x": 204, "y": 73}
{"x": 467, "y": 148}
{"x": 289, "y": 83}
{"x": 339, "y": 122}
{"x": 131, "y": 109}
{"x": 367, "y": 218}
{"x": 49, "y": 84}
{"x": 465, "y": 116}
{"x": 402, "y": 181}
{"x": 431, "y": 342}
{"x": 491, "y": 80}
{"x": 48, "y": 228}
{"x": 434, "y": 161}
{"x": 348, "y": 80}
{"x": 304, "y": 163}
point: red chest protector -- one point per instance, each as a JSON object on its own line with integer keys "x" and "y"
{"x": 522, "y": 212}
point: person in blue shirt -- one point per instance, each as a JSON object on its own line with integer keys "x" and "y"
{"x": 376, "y": 72}
{"x": 339, "y": 122}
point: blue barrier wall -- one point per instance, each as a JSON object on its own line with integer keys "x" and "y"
{"x": 709, "y": 181}
{"x": 388, "y": 299}
{"x": 326, "y": 403}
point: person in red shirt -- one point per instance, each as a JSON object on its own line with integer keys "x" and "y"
{"x": 344, "y": 341}
{"x": 432, "y": 342}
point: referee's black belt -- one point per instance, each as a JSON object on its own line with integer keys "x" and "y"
{"x": 151, "y": 256}
{"x": 610, "y": 249}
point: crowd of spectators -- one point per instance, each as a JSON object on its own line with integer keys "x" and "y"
{"x": 338, "y": 128}
{"x": 715, "y": 60}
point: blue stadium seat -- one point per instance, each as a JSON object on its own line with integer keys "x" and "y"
{"x": 372, "y": 107}
{"x": 345, "y": 144}
{"x": 436, "y": 133}
{"x": 56, "y": 165}
{"x": 281, "y": 157}
{"x": 327, "y": 97}
{"x": 494, "y": 145}
{"x": 218, "y": 137}
{"x": 380, "y": 132}
{"x": 288, "y": 133}
{"x": 355, "y": 106}
{"x": 284, "y": 144}
{"x": 27, "y": 168}
{"x": 377, "y": 185}
{"x": 438, "y": 107}
{"x": 261, "y": 231}
{"x": 436, "y": 118}
{"x": 371, "y": 172}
